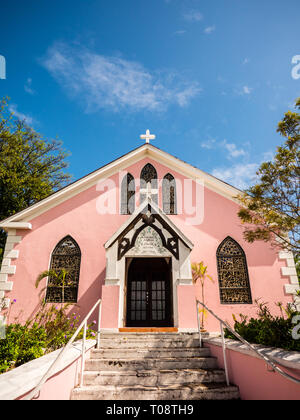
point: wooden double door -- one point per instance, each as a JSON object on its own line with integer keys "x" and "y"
{"x": 149, "y": 293}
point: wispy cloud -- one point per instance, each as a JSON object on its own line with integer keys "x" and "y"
{"x": 240, "y": 175}
{"x": 193, "y": 16}
{"x": 28, "y": 87}
{"x": 229, "y": 150}
{"x": 232, "y": 150}
{"x": 114, "y": 83}
{"x": 209, "y": 29}
{"x": 23, "y": 117}
{"x": 208, "y": 144}
{"x": 180, "y": 32}
{"x": 245, "y": 90}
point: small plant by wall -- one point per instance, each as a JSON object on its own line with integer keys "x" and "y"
{"x": 51, "y": 328}
{"x": 267, "y": 329}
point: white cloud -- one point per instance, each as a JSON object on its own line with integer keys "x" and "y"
{"x": 180, "y": 32}
{"x": 193, "y": 16}
{"x": 184, "y": 96}
{"x": 246, "y": 90}
{"x": 209, "y": 29}
{"x": 240, "y": 175}
{"x": 115, "y": 83}
{"x": 208, "y": 144}
{"x": 23, "y": 117}
{"x": 233, "y": 150}
{"x": 246, "y": 61}
{"x": 28, "y": 87}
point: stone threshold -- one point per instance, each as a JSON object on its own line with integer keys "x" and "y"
{"x": 148, "y": 329}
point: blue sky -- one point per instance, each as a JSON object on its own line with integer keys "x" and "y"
{"x": 210, "y": 79}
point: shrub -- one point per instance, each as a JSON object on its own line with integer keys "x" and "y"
{"x": 20, "y": 345}
{"x": 51, "y": 328}
{"x": 266, "y": 329}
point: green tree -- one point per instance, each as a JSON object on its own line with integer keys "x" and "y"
{"x": 271, "y": 207}
{"x": 31, "y": 167}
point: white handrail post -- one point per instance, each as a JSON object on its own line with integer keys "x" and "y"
{"x": 198, "y": 320}
{"x": 224, "y": 353}
{"x": 99, "y": 322}
{"x": 83, "y": 353}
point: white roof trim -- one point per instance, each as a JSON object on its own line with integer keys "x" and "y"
{"x": 16, "y": 225}
{"x": 139, "y": 210}
{"x": 146, "y": 150}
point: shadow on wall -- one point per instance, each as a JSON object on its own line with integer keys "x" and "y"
{"x": 81, "y": 308}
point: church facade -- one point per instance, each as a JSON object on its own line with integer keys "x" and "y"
{"x": 128, "y": 234}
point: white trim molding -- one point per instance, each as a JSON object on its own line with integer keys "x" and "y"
{"x": 7, "y": 268}
{"x": 290, "y": 271}
{"x": 15, "y": 225}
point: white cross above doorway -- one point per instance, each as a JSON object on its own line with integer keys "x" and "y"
{"x": 148, "y": 136}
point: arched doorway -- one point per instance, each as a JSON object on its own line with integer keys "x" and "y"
{"x": 149, "y": 293}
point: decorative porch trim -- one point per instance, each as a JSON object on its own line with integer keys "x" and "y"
{"x": 141, "y": 210}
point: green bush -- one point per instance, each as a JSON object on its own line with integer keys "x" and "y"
{"x": 51, "y": 328}
{"x": 21, "y": 344}
{"x": 266, "y": 329}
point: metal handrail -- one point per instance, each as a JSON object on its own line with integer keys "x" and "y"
{"x": 83, "y": 325}
{"x": 267, "y": 359}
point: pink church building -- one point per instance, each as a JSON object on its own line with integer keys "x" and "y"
{"x": 128, "y": 233}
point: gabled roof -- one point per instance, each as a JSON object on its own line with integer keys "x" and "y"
{"x": 146, "y": 150}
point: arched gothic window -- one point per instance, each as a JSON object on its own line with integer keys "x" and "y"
{"x": 67, "y": 256}
{"x": 169, "y": 194}
{"x": 127, "y": 194}
{"x": 233, "y": 273}
{"x": 148, "y": 181}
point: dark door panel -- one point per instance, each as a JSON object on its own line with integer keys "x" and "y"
{"x": 149, "y": 295}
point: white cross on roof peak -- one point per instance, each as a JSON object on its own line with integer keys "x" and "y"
{"x": 147, "y": 136}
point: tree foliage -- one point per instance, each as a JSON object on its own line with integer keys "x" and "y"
{"x": 271, "y": 206}
{"x": 31, "y": 167}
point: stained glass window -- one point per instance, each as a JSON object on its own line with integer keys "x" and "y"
{"x": 148, "y": 175}
{"x": 169, "y": 194}
{"x": 67, "y": 256}
{"x": 233, "y": 273}
{"x": 127, "y": 194}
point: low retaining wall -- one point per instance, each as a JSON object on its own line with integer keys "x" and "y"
{"x": 255, "y": 379}
{"x": 17, "y": 383}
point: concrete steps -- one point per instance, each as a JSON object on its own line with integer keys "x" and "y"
{"x": 154, "y": 377}
{"x": 154, "y": 352}
{"x": 152, "y": 366}
{"x": 169, "y": 392}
